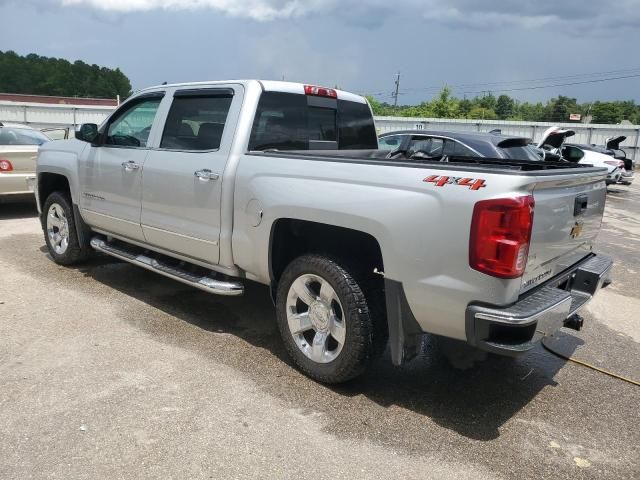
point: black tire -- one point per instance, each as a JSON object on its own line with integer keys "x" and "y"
{"x": 360, "y": 346}
{"x": 75, "y": 252}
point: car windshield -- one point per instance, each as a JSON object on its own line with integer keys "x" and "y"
{"x": 21, "y": 136}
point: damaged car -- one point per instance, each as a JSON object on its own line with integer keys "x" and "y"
{"x": 553, "y": 141}
{"x": 612, "y": 148}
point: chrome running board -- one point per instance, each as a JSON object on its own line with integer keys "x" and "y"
{"x": 207, "y": 284}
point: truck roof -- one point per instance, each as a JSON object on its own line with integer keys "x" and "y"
{"x": 266, "y": 85}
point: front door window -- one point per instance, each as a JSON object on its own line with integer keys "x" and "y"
{"x": 132, "y": 127}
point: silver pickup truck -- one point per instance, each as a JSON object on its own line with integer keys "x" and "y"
{"x": 219, "y": 183}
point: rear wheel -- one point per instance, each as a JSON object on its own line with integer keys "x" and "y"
{"x": 324, "y": 319}
{"x": 60, "y": 232}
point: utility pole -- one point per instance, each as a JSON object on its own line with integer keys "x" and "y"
{"x": 395, "y": 95}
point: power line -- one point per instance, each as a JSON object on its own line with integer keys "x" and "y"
{"x": 534, "y": 80}
{"x": 516, "y": 82}
{"x": 557, "y": 84}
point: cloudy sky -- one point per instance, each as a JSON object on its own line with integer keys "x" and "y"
{"x": 472, "y": 45}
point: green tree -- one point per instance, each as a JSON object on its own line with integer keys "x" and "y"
{"x": 56, "y": 76}
{"x": 444, "y": 105}
{"x": 488, "y": 107}
{"x": 505, "y": 107}
{"x": 606, "y": 112}
{"x": 559, "y": 109}
{"x": 488, "y": 101}
{"x": 464, "y": 107}
{"x": 480, "y": 113}
{"x": 376, "y": 106}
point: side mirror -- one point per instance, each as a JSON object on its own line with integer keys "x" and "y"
{"x": 88, "y": 132}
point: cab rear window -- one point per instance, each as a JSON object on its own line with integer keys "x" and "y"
{"x": 289, "y": 121}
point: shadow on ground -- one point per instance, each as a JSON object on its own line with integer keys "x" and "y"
{"x": 474, "y": 402}
{"x": 18, "y": 210}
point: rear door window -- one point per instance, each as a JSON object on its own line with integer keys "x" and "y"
{"x": 289, "y": 121}
{"x": 431, "y": 146}
{"x": 456, "y": 149}
{"x": 196, "y": 120}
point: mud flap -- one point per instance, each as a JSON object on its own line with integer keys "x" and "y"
{"x": 82, "y": 229}
{"x": 405, "y": 334}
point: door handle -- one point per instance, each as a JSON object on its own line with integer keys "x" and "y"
{"x": 130, "y": 166}
{"x": 580, "y": 205}
{"x": 206, "y": 175}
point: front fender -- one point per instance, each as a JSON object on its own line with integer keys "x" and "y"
{"x": 61, "y": 157}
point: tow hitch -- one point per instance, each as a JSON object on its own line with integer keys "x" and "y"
{"x": 574, "y": 322}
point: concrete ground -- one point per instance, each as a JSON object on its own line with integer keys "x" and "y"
{"x": 110, "y": 371}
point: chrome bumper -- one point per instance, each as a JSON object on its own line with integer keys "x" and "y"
{"x": 517, "y": 328}
{"x": 627, "y": 177}
{"x": 614, "y": 176}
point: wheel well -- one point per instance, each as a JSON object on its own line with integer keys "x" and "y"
{"x": 49, "y": 183}
{"x": 291, "y": 238}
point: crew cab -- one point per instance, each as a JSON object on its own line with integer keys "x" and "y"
{"x": 216, "y": 184}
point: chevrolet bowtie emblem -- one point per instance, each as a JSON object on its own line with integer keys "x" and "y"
{"x": 576, "y": 230}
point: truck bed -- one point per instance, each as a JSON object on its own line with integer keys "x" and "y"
{"x": 379, "y": 157}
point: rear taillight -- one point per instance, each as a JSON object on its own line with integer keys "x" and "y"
{"x": 615, "y": 163}
{"x": 500, "y": 236}
{"x": 320, "y": 91}
{"x": 5, "y": 165}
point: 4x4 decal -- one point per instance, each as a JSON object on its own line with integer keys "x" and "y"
{"x": 441, "y": 181}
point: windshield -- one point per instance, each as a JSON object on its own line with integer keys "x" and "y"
{"x": 21, "y": 136}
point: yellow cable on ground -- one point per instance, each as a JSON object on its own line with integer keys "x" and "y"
{"x": 588, "y": 365}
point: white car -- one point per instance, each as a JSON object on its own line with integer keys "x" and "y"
{"x": 553, "y": 141}
{"x": 611, "y": 149}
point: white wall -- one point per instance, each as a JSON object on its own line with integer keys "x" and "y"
{"x": 48, "y": 115}
{"x": 51, "y": 115}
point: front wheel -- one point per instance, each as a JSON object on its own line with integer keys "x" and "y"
{"x": 60, "y": 232}
{"x": 324, "y": 319}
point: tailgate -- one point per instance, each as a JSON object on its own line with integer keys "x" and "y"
{"x": 566, "y": 220}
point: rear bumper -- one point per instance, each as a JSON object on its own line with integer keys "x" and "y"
{"x": 614, "y": 176}
{"x": 627, "y": 177}
{"x": 517, "y": 328}
{"x": 17, "y": 183}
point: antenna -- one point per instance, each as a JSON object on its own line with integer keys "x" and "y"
{"x": 395, "y": 94}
